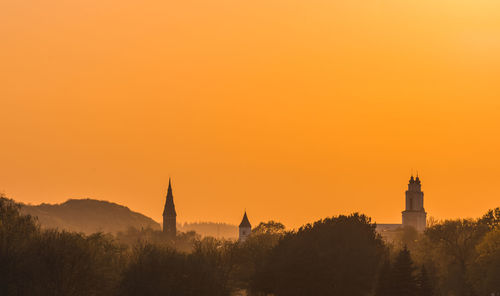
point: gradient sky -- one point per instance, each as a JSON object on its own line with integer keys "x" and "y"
{"x": 294, "y": 110}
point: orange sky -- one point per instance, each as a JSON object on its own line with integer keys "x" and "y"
{"x": 294, "y": 110}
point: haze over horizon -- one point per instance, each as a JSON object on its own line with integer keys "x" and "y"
{"x": 293, "y": 110}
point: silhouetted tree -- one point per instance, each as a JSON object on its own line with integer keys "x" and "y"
{"x": 334, "y": 256}
{"x": 218, "y": 258}
{"x": 157, "y": 270}
{"x": 385, "y": 284}
{"x": 49, "y": 262}
{"x": 453, "y": 245}
{"x": 15, "y": 233}
{"x": 404, "y": 282}
{"x": 153, "y": 269}
{"x": 485, "y": 270}
{"x": 491, "y": 218}
{"x": 270, "y": 227}
{"x": 424, "y": 283}
{"x": 64, "y": 263}
{"x": 251, "y": 255}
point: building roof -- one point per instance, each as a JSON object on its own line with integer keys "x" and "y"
{"x": 245, "y": 222}
{"x": 388, "y": 227}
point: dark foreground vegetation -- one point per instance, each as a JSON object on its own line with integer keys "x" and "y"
{"x": 342, "y": 255}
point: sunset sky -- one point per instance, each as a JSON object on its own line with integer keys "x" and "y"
{"x": 294, "y": 110}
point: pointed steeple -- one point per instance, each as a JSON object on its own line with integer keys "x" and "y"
{"x": 169, "y": 209}
{"x": 245, "y": 222}
{"x": 169, "y": 192}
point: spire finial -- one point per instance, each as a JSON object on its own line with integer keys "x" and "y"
{"x": 169, "y": 190}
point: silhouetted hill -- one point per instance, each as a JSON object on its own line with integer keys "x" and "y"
{"x": 89, "y": 216}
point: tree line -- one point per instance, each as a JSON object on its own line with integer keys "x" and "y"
{"x": 341, "y": 255}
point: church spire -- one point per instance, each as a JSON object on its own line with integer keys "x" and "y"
{"x": 169, "y": 209}
{"x": 169, "y": 191}
{"x": 169, "y": 214}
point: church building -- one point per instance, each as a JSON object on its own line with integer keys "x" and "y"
{"x": 169, "y": 214}
{"x": 415, "y": 214}
{"x": 245, "y": 228}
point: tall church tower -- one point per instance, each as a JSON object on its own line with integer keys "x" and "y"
{"x": 169, "y": 214}
{"x": 415, "y": 214}
{"x": 245, "y": 228}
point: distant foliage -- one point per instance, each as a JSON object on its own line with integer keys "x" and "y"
{"x": 217, "y": 230}
{"x": 184, "y": 241}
